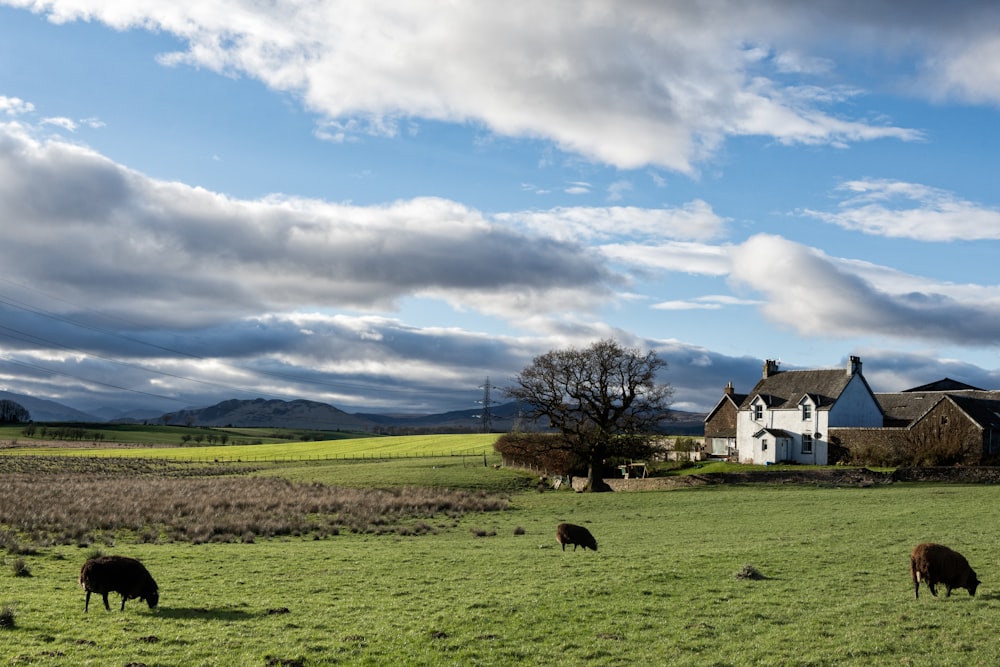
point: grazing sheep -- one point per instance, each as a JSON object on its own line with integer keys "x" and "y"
{"x": 568, "y": 533}
{"x": 120, "y": 574}
{"x": 937, "y": 564}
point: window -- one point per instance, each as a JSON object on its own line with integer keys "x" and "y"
{"x": 758, "y": 411}
{"x": 806, "y": 412}
{"x": 807, "y": 443}
{"x": 763, "y": 445}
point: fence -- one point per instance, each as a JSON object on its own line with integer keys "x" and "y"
{"x": 472, "y": 458}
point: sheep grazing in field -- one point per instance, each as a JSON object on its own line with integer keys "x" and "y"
{"x": 937, "y": 564}
{"x": 568, "y": 533}
{"x": 119, "y": 574}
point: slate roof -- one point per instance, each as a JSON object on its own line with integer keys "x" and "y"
{"x": 944, "y": 384}
{"x": 904, "y": 408}
{"x": 735, "y": 399}
{"x": 982, "y": 406}
{"x": 784, "y": 388}
{"x": 773, "y": 432}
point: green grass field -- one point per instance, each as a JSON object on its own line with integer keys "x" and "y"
{"x": 495, "y": 589}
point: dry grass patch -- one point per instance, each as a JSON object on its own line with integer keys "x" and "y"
{"x": 83, "y": 508}
{"x": 113, "y": 467}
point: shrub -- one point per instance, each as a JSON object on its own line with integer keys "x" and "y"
{"x": 749, "y": 572}
{"x": 543, "y": 451}
{"x": 482, "y": 532}
{"x": 7, "y": 617}
{"x": 21, "y": 568}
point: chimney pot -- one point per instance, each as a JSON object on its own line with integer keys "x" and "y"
{"x": 854, "y": 367}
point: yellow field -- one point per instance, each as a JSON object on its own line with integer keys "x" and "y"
{"x": 378, "y": 447}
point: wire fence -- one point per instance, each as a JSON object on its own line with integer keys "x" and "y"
{"x": 298, "y": 458}
{"x": 467, "y": 457}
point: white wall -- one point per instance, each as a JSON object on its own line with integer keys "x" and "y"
{"x": 855, "y": 407}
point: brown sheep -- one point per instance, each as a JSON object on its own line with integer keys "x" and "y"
{"x": 937, "y": 564}
{"x": 568, "y": 533}
{"x": 119, "y": 574}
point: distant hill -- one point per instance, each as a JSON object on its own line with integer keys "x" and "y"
{"x": 137, "y": 416}
{"x": 42, "y": 410}
{"x": 272, "y": 413}
{"x": 502, "y": 417}
{"x": 505, "y": 417}
{"x": 687, "y": 423}
{"x": 303, "y": 414}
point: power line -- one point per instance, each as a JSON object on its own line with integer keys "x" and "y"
{"x": 97, "y": 382}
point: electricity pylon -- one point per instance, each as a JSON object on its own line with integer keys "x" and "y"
{"x": 487, "y": 417}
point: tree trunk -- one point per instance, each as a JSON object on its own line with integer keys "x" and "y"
{"x": 595, "y": 482}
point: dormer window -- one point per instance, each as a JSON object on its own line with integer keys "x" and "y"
{"x": 758, "y": 411}
{"x": 806, "y": 412}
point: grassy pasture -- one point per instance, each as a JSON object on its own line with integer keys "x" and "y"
{"x": 351, "y": 448}
{"x": 494, "y": 588}
{"x": 456, "y": 471}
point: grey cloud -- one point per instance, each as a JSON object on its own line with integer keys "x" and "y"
{"x": 97, "y": 233}
{"x": 349, "y": 362}
{"x": 817, "y": 295}
{"x": 891, "y": 370}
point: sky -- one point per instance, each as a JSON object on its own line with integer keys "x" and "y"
{"x": 385, "y": 206}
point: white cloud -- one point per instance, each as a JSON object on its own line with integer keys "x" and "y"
{"x": 67, "y": 124}
{"x": 15, "y": 106}
{"x": 626, "y": 83}
{"x": 693, "y": 258}
{"x": 970, "y": 71}
{"x": 695, "y": 220}
{"x": 898, "y": 209}
{"x": 618, "y": 189}
{"x": 796, "y": 62}
{"x": 711, "y": 302}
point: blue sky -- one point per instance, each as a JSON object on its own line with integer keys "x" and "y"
{"x": 379, "y": 205}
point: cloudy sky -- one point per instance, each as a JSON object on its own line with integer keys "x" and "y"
{"x": 380, "y": 204}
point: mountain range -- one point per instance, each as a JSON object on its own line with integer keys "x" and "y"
{"x": 312, "y": 415}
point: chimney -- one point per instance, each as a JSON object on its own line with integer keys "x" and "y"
{"x": 728, "y": 391}
{"x": 854, "y": 366}
{"x": 770, "y": 368}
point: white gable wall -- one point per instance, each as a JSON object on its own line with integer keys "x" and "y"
{"x": 856, "y": 406}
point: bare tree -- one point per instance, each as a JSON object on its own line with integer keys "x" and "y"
{"x": 13, "y": 413}
{"x": 603, "y": 399}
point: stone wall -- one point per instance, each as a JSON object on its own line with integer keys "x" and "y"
{"x": 861, "y": 477}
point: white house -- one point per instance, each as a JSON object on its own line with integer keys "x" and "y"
{"x": 788, "y": 415}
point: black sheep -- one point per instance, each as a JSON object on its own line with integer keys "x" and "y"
{"x": 568, "y": 533}
{"x": 119, "y": 574}
{"x": 937, "y": 564}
